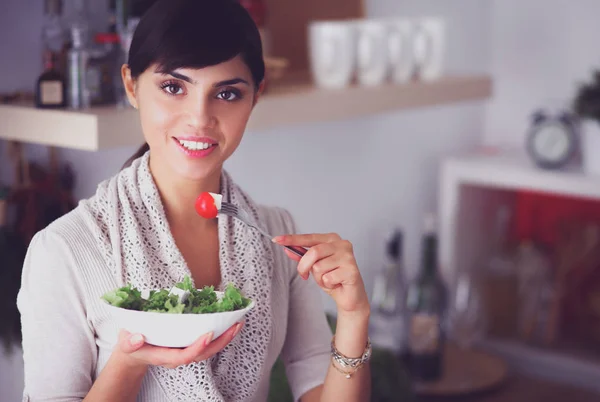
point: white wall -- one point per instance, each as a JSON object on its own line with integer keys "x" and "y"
{"x": 391, "y": 159}
{"x": 542, "y": 49}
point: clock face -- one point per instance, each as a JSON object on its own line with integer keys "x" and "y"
{"x": 551, "y": 143}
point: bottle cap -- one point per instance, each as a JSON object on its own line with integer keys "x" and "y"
{"x": 394, "y": 245}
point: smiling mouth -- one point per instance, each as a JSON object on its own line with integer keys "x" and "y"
{"x": 195, "y": 145}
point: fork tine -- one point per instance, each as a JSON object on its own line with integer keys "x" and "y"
{"x": 232, "y": 210}
{"x": 229, "y": 208}
{"x": 227, "y": 205}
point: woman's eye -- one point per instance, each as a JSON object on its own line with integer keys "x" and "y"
{"x": 227, "y": 95}
{"x": 173, "y": 89}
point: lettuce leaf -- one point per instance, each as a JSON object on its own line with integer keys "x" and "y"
{"x": 202, "y": 301}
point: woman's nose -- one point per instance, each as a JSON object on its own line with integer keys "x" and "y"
{"x": 201, "y": 115}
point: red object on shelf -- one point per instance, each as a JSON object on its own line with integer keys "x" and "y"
{"x": 106, "y": 37}
{"x": 257, "y": 10}
{"x": 537, "y": 214}
{"x": 538, "y": 217}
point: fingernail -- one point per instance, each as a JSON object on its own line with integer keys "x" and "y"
{"x": 136, "y": 339}
{"x": 208, "y": 339}
{"x": 237, "y": 330}
{"x": 277, "y": 239}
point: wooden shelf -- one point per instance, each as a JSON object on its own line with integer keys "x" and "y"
{"x": 515, "y": 171}
{"x": 298, "y": 104}
{"x": 473, "y": 185}
{"x": 285, "y": 104}
{"x": 91, "y": 130}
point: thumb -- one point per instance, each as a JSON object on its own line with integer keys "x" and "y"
{"x": 129, "y": 343}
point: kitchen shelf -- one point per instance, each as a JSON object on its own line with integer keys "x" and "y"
{"x": 285, "y": 104}
{"x": 515, "y": 171}
{"x": 470, "y": 185}
{"x": 472, "y": 188}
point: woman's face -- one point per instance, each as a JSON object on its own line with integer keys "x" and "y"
{"x": 193, "y": 119}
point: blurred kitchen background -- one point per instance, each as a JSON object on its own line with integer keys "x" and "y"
{"x": 472, "y": 121}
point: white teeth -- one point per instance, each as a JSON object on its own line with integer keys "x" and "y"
{"x": 194, "y": 145}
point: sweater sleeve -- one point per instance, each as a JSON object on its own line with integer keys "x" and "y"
{"x": 59, "y": 349}
{"x": 306, "y": 350}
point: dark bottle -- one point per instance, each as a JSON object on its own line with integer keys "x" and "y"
{"x": 386, "y": 325}
{"x": 50, "y": 90}
{"x": 426, "y": 307}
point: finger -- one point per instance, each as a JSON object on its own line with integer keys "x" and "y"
{"x": 335, "y": 278}
{"x": 220, "y": 343}
{"x": 314, "y": 255}
{"x": 187, "y": 355}
{"x": 291, "y": 255}
{"x": 306, "y": 240}
{"x": 173, "y": 357}
{"x": 324, "y": 266}
{"x": 129, "y": 343}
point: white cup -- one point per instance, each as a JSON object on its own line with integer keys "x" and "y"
{"x": 428, "y": 47}
{"x": 372, "y": 65}
{"x": 332, "y": 53}
{"x": 400, "y": 49}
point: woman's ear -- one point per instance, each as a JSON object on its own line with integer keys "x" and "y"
{"x": 259, "y": 92}
{"x": 129, "y": 84}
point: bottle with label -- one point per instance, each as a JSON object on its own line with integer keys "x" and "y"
{"x": 386, "y": 325}
{"x": 426, "y": 305}
{"x": 50, "y": 90}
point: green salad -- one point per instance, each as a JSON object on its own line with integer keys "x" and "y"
{"x": 160, "y": 301}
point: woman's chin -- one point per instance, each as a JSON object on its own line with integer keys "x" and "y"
{"x": 197, "y": 172}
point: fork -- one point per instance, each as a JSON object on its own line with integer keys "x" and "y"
{"x": 232, "y": 210}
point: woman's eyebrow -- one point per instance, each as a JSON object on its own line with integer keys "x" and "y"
{"x": 223, "y": 83}
{"x": 181, "y": 77}
{"x": 232, "y": 81}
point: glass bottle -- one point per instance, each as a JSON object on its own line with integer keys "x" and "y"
{"x": 51, "y": 86}
{"x": 103, "y": 69}
{"x": 426, "y": 305}
{"x": 387, "y": 304}
{"x": 54, "y": 38}
{"x": 78, "y": 58}
{"x": 500, "y": 281}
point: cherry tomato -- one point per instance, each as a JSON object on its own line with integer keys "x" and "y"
{"x": 205, "y": 206}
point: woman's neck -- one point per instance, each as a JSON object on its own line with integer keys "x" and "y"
{"x": 179, "y": 197}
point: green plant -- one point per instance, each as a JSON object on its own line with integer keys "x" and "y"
{"x": 587, "y": 100}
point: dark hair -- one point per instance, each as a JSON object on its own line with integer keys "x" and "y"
{"x": 194, "y": 34}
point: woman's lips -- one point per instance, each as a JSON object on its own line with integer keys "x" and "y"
{"x": 196, "y": 147}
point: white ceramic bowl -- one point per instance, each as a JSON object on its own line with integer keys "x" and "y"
{"x": 176, "y": 330}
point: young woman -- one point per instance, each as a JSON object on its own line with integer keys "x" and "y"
{"x": 195, "y": 72}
